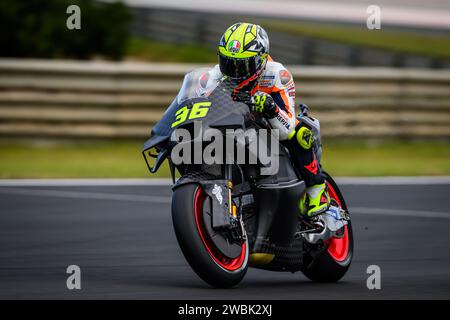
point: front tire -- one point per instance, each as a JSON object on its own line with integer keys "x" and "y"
{"x": 332, "y": 264}
{"x": 194, "y": 240}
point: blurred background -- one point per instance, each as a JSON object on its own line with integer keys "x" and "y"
{"x": 80, "y": 103}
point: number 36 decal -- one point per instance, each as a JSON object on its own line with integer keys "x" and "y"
{"x": 198, "y": 110}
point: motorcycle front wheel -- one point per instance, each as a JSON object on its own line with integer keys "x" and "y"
{"x": 194, "y": 239}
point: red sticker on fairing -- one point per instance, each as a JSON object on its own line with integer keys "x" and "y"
{"x": 204, "y": 80}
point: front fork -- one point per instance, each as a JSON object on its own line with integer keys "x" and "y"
{"x": 232, "y": 209}
{"x": 229, "y": 177}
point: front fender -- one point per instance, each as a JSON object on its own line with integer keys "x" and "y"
{"x": 194, "y": 177}
{"x": 217, "y": 190}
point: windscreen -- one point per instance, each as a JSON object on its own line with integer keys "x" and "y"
{"x": 198, "y": 89}
{"x": 197, "y": 83}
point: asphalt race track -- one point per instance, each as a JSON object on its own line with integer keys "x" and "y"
{"x": 123, "y": 241}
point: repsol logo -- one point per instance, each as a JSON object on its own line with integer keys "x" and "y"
{"x": 283, "y": 121}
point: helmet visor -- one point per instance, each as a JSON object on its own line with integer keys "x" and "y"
{"x": 239, "y": 69}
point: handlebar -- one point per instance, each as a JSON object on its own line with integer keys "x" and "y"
{"x": 244, "y": 97}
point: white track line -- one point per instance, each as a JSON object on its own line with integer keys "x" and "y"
{"x": 167, "y": 200}
{"x": 400, "y": 212}
{"x": 83, "y": 182}
{"x": 398, "y": 181}
{"x": 168, "y": 182}
{"x": 85, "y": 195}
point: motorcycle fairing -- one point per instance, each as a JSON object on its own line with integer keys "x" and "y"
{"x": 277, "y": 200}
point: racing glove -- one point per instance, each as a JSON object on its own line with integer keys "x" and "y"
{"x": 263, "y": 103}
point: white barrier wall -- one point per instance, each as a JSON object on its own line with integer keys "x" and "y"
{"x": 69, "y": 99}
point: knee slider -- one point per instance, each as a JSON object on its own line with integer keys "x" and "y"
{"x": 305, "y": 138}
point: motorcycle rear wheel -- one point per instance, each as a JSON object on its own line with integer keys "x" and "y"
{"x": 333, "y": 263}
{"x": 195, "y": 242}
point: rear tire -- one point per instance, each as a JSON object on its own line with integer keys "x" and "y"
{"x": 199, "y": 251}
{"x": 332, "y": 264}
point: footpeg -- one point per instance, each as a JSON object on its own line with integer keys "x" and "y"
{"x": 330, "y": 223}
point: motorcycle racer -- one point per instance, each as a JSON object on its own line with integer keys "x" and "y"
{"x": 244, "y": 59}
{"x": 228, "y": 213}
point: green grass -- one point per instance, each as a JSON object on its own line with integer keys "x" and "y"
{"x": 433, "y": 45}
{"x": 93, "y": 160}
{"x": 389, "y": 158}
{"x": 147, "y": 50}
{"x": 124, "y": 160}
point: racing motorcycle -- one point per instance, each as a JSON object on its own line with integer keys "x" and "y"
{"x": 228, "y": 216}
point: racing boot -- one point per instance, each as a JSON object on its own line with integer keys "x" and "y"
{"x": 315, "y": 200}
